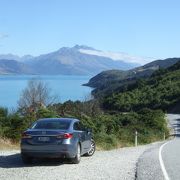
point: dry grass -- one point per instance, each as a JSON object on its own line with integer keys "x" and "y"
{"x": 6, "y": 144}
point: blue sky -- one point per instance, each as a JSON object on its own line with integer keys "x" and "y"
{"x": 148, "y": 28}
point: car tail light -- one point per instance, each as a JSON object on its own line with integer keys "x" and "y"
{"x": 68, "y": 136}
{"x": 26, "y": 136}
{"x": 65, "y": 136}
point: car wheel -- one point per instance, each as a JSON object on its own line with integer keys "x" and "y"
{"x": 77, "y": 158}
{"x": 92, "y": 149}
{"x": 26, "y": 159}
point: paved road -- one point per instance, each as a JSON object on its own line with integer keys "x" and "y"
{"x": 171, "y": 151}
{"x": 162, "y": 161}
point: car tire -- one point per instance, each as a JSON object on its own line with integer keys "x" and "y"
{"x": 77, "y": 158}
{"x": 26, "y": 159}
{"x": 92, "y": 149}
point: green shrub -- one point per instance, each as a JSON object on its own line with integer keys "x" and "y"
{"x": 106, "y": 141}
{"x": 109, "y": 130}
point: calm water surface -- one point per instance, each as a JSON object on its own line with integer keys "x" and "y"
{"x": 66, "y": 87}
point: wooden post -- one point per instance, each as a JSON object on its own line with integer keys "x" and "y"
{"x": 136, "y": 139}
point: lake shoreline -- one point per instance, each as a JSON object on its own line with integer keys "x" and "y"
{"x": 64, "y": 86}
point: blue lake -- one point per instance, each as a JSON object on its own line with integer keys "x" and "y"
{"x": 66, "y": 87}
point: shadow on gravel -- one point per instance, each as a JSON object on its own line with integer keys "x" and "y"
{"x": 14, "y": 161}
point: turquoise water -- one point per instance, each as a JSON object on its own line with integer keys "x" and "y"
{"x": 66, "y": 87}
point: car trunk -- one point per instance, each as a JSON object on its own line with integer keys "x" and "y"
{"x": 44, "y": 137}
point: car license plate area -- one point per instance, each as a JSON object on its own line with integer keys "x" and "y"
{"x": 43, "y": 139}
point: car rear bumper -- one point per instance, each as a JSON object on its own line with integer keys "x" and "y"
{"x": 49, "y": 151}
{"x": 47, "y": 154}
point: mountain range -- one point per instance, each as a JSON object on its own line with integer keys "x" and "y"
{"x": 78, "y": 60}
{"x": 83, "y": 60}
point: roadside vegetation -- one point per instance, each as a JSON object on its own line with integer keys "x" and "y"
{"x": 7, "y": 144}
{"x": 114, "y": 118}
{"x": 110, "y": 130}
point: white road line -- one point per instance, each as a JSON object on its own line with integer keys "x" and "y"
{"x": 162, "y": 163}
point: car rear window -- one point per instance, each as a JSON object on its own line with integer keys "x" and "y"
{"x": 51, "y": 125}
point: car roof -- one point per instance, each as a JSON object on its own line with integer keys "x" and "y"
{"x": 58, "y": 119}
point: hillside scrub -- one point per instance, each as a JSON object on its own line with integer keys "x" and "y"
{"x": 119, "y": 129}
{"x": 117, "y": 81}
{"x": 161, "y": 91}
{"x": 110, "y": 131}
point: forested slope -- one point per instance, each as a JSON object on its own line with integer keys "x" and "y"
{"x": 160, "y": 91}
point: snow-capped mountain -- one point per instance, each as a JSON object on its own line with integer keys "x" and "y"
{"x": 77, "y": 60}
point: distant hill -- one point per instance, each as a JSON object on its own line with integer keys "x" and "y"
{"x": 70, "y": 61}
{"x": 14, "y": 67}
{"x": 9, "y": 57}
{"x": 116, "y": 80}
{"x": 15, "y": 57}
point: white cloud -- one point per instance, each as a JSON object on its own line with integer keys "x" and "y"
{"x": 3, "y": 35}
{"x": 118, "y": 56}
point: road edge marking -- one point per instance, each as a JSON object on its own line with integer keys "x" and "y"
{"x": 162, "y": 163}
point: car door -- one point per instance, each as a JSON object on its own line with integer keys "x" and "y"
{"x": 78, "y": 129}
{"x": 86, "y": 136}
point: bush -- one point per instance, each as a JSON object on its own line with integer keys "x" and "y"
{"x": 106, "y": 141}
{"x": 45, "y": 113}
{"x": 110, "y": 130}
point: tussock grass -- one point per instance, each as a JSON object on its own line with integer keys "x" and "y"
{"x": 6, "y": 144}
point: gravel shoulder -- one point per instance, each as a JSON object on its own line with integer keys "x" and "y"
{"x": 115, "y": 164}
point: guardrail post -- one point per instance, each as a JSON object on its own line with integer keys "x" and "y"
{"x": 164, "y": 137}
{"x": 136, "y": 139}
